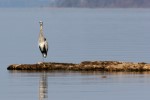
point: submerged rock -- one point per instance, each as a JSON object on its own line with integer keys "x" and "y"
{"x": 84, "y": 66}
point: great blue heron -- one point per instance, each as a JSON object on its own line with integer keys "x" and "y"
{"x": 43, "y": 44}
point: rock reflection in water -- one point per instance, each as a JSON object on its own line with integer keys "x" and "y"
{"x": 43, "y": 87}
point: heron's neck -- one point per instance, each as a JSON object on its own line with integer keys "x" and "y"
{"x": 41, "y": 37}
{"x": 41, "y": 28}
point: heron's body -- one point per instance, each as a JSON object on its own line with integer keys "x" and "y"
{"x": 43, "y": 44}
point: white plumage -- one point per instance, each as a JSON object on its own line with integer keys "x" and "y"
{"x": 43, "y": 44}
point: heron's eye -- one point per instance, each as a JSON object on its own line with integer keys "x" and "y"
{"x": 44, "y": 39}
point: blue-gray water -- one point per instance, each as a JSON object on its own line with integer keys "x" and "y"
{"x": 74, "y": 35}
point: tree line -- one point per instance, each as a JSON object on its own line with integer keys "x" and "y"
{"x": 100, "y": 3}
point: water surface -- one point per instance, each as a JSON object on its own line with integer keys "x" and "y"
{"x": 77, "y": 86}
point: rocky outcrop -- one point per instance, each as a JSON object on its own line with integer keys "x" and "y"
{"x": 84, "y": 66}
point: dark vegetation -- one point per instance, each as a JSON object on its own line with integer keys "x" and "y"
{"x": 101, "y": 3}
{"x": 77, "y": 3}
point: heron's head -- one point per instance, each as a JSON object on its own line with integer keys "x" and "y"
{"x": 41, "y": 23}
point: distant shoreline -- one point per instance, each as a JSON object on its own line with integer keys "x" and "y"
{"x": 84, "y": 7}
{"x": 76, "y": 3}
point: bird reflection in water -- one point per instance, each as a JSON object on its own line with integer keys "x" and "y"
{"x": 43, "y": 87}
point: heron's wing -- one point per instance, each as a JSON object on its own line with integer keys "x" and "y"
{"x": 40, "y": 48}
{"x": 46, "y": 46}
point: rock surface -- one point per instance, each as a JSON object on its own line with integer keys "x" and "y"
{"x": 84, "y": 66}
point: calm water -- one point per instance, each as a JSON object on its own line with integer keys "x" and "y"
{"x": 74, "y": 35}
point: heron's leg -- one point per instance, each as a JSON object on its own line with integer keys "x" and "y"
{"x": 43, "y": 62}
{"x": 43, "y": 59}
